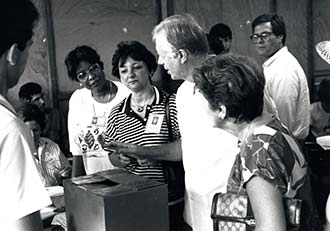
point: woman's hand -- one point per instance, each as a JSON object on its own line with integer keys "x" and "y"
{"x": 267, "y": 205}
{"x": 120, "y": 160}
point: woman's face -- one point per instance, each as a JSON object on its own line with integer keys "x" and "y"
{"x": 91, "y": 75}
{"x": 36, "y": 131}
{"x": 134, "y": 75}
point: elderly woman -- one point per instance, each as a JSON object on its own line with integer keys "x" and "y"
{"x": 141, "y": 118}
{"x": 270, "y": 165}
{"x": 88, "y": 109}
{"x": 49, "y": 159}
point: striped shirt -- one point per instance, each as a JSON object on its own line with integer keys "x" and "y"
{"x": 124, "y": 125}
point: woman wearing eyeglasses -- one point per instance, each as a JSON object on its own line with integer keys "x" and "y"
{"x": 88, "y": 110}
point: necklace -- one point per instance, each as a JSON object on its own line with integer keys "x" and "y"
{"x": 140, "y": 108}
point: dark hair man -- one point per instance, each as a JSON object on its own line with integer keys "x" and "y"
{"x": 22, "y": 193}
{"x": 286, "y": 82}
{"x": 223, "y": 33}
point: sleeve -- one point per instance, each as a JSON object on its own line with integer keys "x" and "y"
{"x": 266, "y": 159}
{"x": 285, "y": 103}
{"x": 22, "y": 191}
{"x": 111, "y": 129}
{"x": 74, "y": 128}
{"x": 173, "y": 117}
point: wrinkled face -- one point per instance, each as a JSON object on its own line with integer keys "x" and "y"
{"x": 90, "y": 75}
{"x": 36, "y": 131}
{"x": 168, "y": 57}
{"x": 38, "y": 100}
{"x": 266, "y": 42}
{"x": 134, "y": 74}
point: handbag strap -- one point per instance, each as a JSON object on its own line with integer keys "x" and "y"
{"x": 168, "y": 117}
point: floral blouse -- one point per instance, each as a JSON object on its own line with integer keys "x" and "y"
{"x": 269, "y": 152}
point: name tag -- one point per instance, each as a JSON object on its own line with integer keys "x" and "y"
{"x": 154, "y": 123}
{"x": 98, "y": 121}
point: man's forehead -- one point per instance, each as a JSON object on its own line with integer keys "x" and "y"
{"x": 162, "y": 43}
{"x": 266, "y": 26}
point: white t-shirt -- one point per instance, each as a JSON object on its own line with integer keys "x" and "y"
{"x": 22, "y": 191}
{"x": 86, "y": 115}
{"x": 208, "y": 156}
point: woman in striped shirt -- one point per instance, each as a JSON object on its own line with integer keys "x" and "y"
{"x": 141, "y": 118}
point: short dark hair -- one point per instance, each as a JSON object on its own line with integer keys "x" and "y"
{"x": 324, "y": 90}
{"x": 78, "y": 55}
{"x": 30, "y": 112}
{"x": 28, "y": 90}
{"x": 215, "y": 44}
{"x": 136, "y": 51}
{"x": 221, "y": 30}
{"x": 234, "y": 81}
{"x": 277, "y": 23}
{"x": 17, "y": 18}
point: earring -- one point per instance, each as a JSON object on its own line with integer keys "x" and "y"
{"x": 80, "y": 84}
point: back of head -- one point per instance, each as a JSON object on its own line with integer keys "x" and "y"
{"x": 234, "y": 81}
{"x": 277, "y": 23}
{"x": 136, "y": 51}
{"x": 28, "y": 90}
{"x": 183, "y": 32}
{"x": 30, "y": 112}
{"x": 221, "y": 30}
{"x": 80, "y": 54}
{"x": 17, "y": 18}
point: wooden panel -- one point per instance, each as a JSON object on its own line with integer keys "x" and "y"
{"x": 100, "y": 24}
{"x": 295, "y": 18}
{"x": 237, "y": 14}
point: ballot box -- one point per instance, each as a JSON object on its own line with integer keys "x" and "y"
{"x": 115, "y": 200}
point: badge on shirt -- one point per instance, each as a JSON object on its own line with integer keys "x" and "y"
{"x": 99, "y": 121}
{"x": 154, "y": 123}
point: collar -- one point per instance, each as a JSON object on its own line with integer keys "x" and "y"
{"x": 269, "y": 61}
{"x": 4, "y": 102}
{"x": 127, "y": 101}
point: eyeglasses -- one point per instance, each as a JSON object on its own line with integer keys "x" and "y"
{"x": 263, "y": 36}
{"x": 93, "y": 69}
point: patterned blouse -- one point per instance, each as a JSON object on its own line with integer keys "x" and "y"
{"x": 269, "y": 152}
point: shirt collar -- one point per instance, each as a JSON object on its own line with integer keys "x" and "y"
{"x": 269, "y": 61}
{"x": 4, "y": 102}
{"x": 126, "y": 106}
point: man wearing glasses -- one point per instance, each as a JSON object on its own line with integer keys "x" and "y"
{"x": 286, "y": 82}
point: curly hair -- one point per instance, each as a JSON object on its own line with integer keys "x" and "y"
{"x": 134, "y": 50}
{"x": 78, "y": 55}
{"x": 234, "y": 81}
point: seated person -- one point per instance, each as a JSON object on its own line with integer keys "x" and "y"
{"x": 51, "y": 163}
{"x": 55, "y": 125}
{"x": 320, "y": 111}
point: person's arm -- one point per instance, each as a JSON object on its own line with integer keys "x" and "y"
{"x": 169, "y": 151}
{"x": 327, "y": 215}
{"x": 267, "y": 205}
{"x": 31, "y": 222}
{"x": 78, "y": 168}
